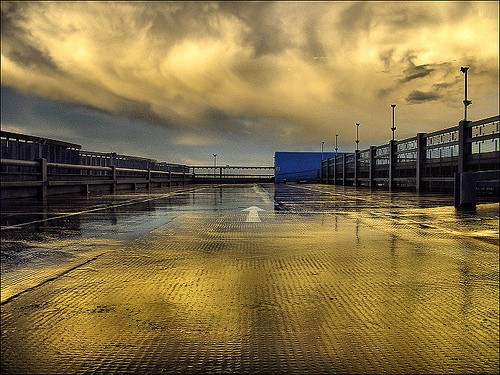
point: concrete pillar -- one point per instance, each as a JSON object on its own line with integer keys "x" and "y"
{"x": 321, "y": 163}
{"x": 335, "y": 169}
{"x": 327, "y": 170}
{"x": 392, "y": 149}
{"x": 344, "y": 169}
{"x": 465, "y": 184}
{"x": 356, "y": 167}
{"x": 43, "y": 170}
{"x": 113, "y": 176}
{"x": 420, "y": 161}
{"x": 466, "y": 197}
{"x": 464, "y": 147}
{"x": 371, "y": 171}
{"x": 456, "y": 190}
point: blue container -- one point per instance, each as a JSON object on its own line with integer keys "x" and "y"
{"x": 299, "y": 166}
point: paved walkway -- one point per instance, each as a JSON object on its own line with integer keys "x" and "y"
{"x": 326, "y": 280}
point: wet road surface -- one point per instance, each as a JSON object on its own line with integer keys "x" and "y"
{"x": 325, "y": 279}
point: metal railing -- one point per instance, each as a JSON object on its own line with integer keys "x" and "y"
{"x": 427, "y": 161}
{"x": 58, "y": 178}
{"x": 232, "y": 173}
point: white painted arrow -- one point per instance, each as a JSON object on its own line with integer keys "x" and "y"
{"x": 253, "y": 214}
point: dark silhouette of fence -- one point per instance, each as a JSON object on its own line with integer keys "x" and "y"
{"x": 461, "y": 159}
{"x": 34, "y": 166}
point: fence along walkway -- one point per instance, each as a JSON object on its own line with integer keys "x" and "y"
{"x": 460, "y": 159}
{"x": 34, "y": 166}
{"x": 232, "y": 174}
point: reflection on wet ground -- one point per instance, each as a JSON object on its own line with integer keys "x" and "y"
{"x": 329, "y": 279}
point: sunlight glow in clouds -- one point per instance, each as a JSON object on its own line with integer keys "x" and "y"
{"x": 281, "y": 74}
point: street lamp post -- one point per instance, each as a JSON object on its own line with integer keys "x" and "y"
{"x": 215, "y": 164}
{"x": 466, "y": 101}
{"x": 357, "y": 136}
{"x": 393, "y": 106}
{"x": 322, "y": 144}
{"x": 336, "y": 143}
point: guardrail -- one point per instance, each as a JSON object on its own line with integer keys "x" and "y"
{"x": 459, "y": 159}
{"x": 233, "y": 174}
{"x": 22, "y": 178}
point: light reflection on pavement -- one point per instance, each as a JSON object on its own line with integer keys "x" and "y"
{"x": 331, "y": 280}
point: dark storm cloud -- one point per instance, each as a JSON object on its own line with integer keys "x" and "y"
{"x": 387, "y": 58}
{"x": 419, "y": 96}
{"x": 358, "y": 16}
{"x": 416, "y": 72}
{"x": 426, "y": 75}
{"x": 17, "y": 43}
{"x": 264, "y": 33}
{"x": 314, "y": 46}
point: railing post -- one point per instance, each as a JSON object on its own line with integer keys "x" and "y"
{"x": 327, "y": 170}
{"x": 43, "y": 176}
{"x": 356, "y": 167}
{"x": 335, "y": 169}
{"x": 392, "y": 145}
{"x": 169, "y": 176}
{"x": 113, "y": 176}
{"x": 371, "y": 171}
{"x": 343, "y": 169}
{"x": 149, "y": 179}
{"x": 419, "y": 161}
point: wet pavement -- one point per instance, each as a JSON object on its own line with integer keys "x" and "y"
{"x": 250, "y": 279}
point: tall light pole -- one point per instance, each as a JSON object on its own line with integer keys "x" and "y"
{"x": 393, "y": 106}
{"x": 215, "y": 163}
{"x": 336, "y": 143}
{"x": 357, "y": 136}
{"x": 466, "y": 101}
{"x": 322, "y": 144}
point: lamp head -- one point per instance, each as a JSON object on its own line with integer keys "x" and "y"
{"x": 464, "y": 69}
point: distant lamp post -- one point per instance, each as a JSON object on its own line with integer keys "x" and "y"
{"x": 215, "y": 164}
{"x": 336, "y": 143}
{"x": 466, "y": 101}
{"x": 322, "y": 144}
{"x": 357, "y": 136}
{"x": 393, "y": 106}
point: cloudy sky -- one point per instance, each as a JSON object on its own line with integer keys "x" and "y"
{"x": 179, "y": 81}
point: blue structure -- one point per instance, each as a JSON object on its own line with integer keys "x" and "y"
{"x": 299, "y": 166}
